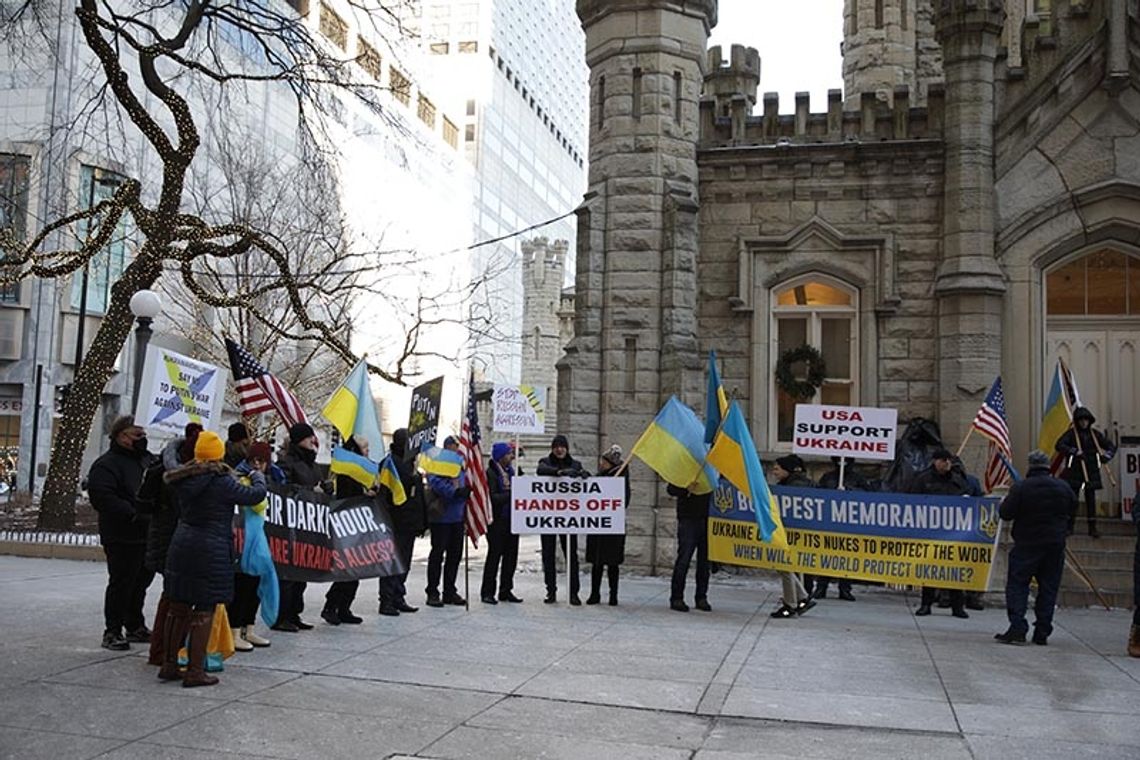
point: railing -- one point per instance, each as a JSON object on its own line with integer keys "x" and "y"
{"x": 48, "y": 537}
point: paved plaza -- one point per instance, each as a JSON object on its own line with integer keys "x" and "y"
{"x": 533, "y": 680}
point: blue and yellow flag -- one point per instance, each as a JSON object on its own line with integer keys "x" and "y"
{"x": 352, "y": 411}
{"x": 734, "y": 454}
{"x": 1058, "y": 417}
{"x": 390, "y": 479}
{"x": 437, "y": 461}
{"x": 716, "y": 404}
{"x": 674, "y": 448}
{"x": 361, "y": 469}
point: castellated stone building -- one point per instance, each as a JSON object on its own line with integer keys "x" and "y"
{"x": 955, "y": 214}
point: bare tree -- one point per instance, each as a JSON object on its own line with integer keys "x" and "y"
{"x": 150, "y": 55}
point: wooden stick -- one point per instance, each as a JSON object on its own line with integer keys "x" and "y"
{"x": 962, "y": 446}
{"x": 1075, "y": 566}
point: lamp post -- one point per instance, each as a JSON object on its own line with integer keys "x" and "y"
{"x": 82, "y": 326}
{"x": 145, "y": 305}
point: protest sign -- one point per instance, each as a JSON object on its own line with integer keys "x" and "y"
{"x": 567, "y": 505}
{"x": 423, "y": 421}
{"x": 1129, "y": 480}
{"x": 315, "y": 537}
{"x": 862, "y": 432}
{"x": 519, "y": 409}
{"x": 943, "y": 541}
{"x": 176, "y": 390}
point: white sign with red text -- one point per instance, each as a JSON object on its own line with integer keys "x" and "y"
{"x": 1129, "y": 480}
{"x": 861, "y": 432}
{"x": 567, "y": 505}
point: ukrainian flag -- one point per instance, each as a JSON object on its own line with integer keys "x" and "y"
{"x": 436, "y": 461}
{"x": 390, "y": 479}
{"x": 1059, "y": 405}
{"x": 674, "y": 448}
{"x": 361, "y": 469}
{"x": 716, "y": 404}
{"x": 734, "y": 454}
{"x": 352, "y": 411}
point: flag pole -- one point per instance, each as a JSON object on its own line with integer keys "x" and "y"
{"x": 962, "y": 445}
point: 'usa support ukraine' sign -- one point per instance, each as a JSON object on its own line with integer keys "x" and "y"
{"x": 942, "y": 541}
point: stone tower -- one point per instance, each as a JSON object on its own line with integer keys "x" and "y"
{"x": 733, "y": 81}
{"x": 889, "y": 44}
{"x": 544, "y": 270}
{"x": 635, "y": 339}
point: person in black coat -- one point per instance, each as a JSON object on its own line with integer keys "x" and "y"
{"x": 942, "y": 479}
{"x": 341, "y": 594}
{"x": 200, "y": 562}
{"x": 559, "y": 463}
{"x": 502, "y": 544}
{"x": 1085, "y": 448}
{"x": 692, "y": 537}
{"x": 237, "y": 444}
{"x": 408, "y": 521}
{"x": 113, "y": 485}
{"x": 607, "y": 552}
{"x": 160, "y": 503}
{"x": 299, "y": 463}
{"x": 1041, "y": 508}
{"x": 817, "y": 585}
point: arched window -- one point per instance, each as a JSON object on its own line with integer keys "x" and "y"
{"x": 819, "y": 311}
{"x": 1102, "y": 283}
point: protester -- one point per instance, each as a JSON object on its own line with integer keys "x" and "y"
{"x": 692, "y": 536}
{"x": 408, "y": 521}
{"x": 447, "y": 534}
{"x": 817, "y": 585}
{"x": 1085, "y": 448}
{"x": 113, "y": 485}
{"x": 160, "y": 503}
{"x": 242, "y": 609}
{"x": 199, "y": 565}
{"x": 942, "y": 479}
{"x": 502, "y": 543}
{"x": 339, "y": 598}
{"x": 1040, "y": 508}
{"x": 607, "y": 552}
{"x": 789, "y": 471}
{"x": 237, "y": 444}
{"x": 299, "y": 464}
{"x": 559, "y": 463}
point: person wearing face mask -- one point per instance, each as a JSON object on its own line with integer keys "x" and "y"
{"x": 113, "y": 485}
{"x": 299, "y": 464}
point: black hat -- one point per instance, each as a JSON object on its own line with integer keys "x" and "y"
{"x": 1082, "y": 413}
{"x": 942, "y": 454}
{"x": 238, "y": 432}
{"x": 300, "y": 432}
{"x": 560, "y": 440}
{"x": 790, "y": 462}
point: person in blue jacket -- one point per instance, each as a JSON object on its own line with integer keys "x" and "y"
{"x": 447, "y": 534}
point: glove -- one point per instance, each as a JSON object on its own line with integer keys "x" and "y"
{"x": 462, "y": 492}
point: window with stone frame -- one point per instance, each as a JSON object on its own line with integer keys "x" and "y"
{"x": 819, "y": 311}
{"x": 450, "y": 132}
{"x": 400, "y": 85}
{"x": 13, "y": 208}
{"x": 333, "y": 27}
{"x": 368, "y": 58}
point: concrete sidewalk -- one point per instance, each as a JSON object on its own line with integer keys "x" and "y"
{"x": 637, "y": 681}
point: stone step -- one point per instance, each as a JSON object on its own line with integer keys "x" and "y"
{"x": 1106, "y": 580}
{"x": 1104, "y": 560}
{"x": 1104, "y": 543}
{"x": 1086, "y": 598}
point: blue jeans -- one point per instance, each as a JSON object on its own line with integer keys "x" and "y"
{"x": 1046, "y": 563}
{"x": 692, "y": 536}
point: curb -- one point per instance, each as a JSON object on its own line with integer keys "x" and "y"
{"x": 51, "y": 551}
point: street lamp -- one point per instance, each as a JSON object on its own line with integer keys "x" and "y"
{"x": 81, "y": 328}
{"x": 145, "y": 305}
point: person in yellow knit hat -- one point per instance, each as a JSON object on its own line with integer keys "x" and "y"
{"x": 199, "y": 564}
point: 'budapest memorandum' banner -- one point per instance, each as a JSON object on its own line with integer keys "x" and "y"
{"x": 904, "y": 539}
{"x": 541, "y": 504}
{"x": 315, "y": 537}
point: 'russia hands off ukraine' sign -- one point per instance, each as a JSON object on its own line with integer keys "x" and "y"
{"x": 942, "y": 541}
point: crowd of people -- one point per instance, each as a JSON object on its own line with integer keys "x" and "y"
{"x": 172, "y": 515}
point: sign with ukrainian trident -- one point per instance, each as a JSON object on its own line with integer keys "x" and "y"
{"x": 902, "y": 539}
{"x": 519, "y": 409}
{"x": 177, "y": 390}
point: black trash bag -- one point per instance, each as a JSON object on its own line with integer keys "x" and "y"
{"x": 913, "y": 451}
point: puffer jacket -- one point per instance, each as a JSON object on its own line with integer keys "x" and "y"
{"x": 113, "y": 485}
{"x": 300, "y": 468}
{"x": 411, "y": 516}
{"x": 200, "y": 561}
{"x": 160, "y": 502}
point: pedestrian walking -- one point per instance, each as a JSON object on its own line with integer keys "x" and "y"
{"x": 605, "y": 553}
{"x": 559, "y": 463}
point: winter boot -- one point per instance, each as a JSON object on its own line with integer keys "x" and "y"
{"x": 613, "y": 576}
{"x": 1134, "y": 641}
{"x": 200, "y": 624}
{"x": 248, "y": 634}
{"x": 595, "y": 585}
{"x": 158, "y": 638}
{"x": 173, "y": 634}
{"x": 240, "y": 644}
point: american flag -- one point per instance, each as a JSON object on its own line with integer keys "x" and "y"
{"x": 990, "y": 423}
{"x": 259, "y": 391}
{"x": 479, "y": 503}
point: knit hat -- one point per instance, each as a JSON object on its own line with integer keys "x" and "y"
{"x": 450, "y": 441}
{"x": 209, "y": 447}
{"x": 1038, "y": 458}
{"x": 121, "y": 424}
{"x": 560, "y": 440}
{"x": 790, "y": 463}
{"x": 500, "y": 450}
{"x": 613, "y": 455}
{"x": 942, "y": 454}
{"x": 238, "y": 432}
{"x": 260, "y": 450}
{"x": 300, "y": 432}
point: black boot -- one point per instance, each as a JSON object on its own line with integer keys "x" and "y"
{"x": 595, "y": 585}
{"x": 613, "y": 576}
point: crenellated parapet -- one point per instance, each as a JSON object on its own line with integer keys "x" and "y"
{"x": 874, "y": 120}
{"x": 733, "y": 81}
